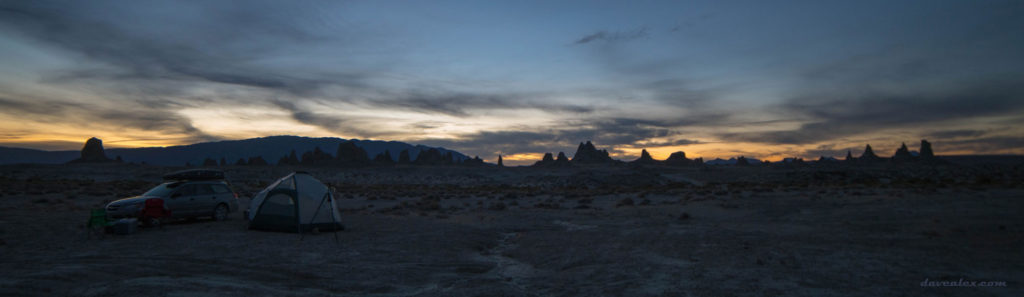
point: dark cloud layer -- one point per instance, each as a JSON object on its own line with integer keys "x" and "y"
{"x": 959, "y": 133}
{"x": 993, "y": 144}
{"x": 226, "y": 46}
{"x": 224, "y": 51}
{"x": 148, "y": 61}
{"x": 609, "y": 133}
{"x": 840, "y": 115}
{"x": 120, "y": 116}
{"x": 459, "y": 103}
{"x": 614, "y": 36}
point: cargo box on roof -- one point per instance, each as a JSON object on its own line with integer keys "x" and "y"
{"x": 195, "y": 174}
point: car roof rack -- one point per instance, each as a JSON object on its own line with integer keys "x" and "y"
{"x": 195, "y": 174}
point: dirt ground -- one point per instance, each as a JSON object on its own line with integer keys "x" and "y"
{"x": 425, "y": 233}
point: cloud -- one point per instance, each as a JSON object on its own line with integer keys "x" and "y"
{"x": 675, "y": 142}
{"x": 224, "y": 46}
{"x": 349, "y": 127}
{"x": 138, "y": 64}
{"x": 44, "y": 110}
{"x": 606, "y": 133}
{"x": 838, "y": 115}
{"x": 830, "y": 150}
{"x": 996, "y": 144}
{"x": 210, "y": 44}
{"x": 614, "y": 36}
{"x": 460, "y": 103}
{"x": 959, "y": 133}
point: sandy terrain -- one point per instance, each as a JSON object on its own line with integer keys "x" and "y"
{"x": 529, "y": 232}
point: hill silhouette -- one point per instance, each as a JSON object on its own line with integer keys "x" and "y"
{"x": 266, "y": 148}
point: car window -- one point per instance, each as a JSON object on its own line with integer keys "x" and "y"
{"x": 186, "y": 190}
{"x": 221, "y": 189}
{"x": 204, "y": 189}
{"x": 162, "y": 190}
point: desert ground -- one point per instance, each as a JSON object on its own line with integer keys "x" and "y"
{"x": 592, "y": 231}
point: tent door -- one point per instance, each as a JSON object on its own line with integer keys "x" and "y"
{"x": 279, "y": 211}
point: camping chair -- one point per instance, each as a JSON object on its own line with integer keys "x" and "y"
{"x": 153, "y": 211}
{"x": 97, "y": 223}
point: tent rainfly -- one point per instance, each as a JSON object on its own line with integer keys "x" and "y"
{"x": 295, "y": 203}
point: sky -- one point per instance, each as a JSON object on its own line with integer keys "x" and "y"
{"x": 716, "y": 79}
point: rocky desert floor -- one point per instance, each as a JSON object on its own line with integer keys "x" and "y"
{"x": 609, "y": 231}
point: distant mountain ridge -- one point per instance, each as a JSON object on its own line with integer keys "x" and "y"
{"x": 270, "y": 148}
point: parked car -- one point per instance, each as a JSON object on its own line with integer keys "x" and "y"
{"x": 194, "y": 195}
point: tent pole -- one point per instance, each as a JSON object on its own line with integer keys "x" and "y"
{"x": 298, "y": 212}
{"x": 315, "y": 212}
{"x": 334, "y": 209}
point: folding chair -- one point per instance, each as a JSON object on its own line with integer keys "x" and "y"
{"x": 97, "y": 223}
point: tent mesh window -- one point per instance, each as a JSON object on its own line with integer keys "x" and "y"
{"x": 279, "y": 205}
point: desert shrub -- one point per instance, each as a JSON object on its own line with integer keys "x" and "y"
{"x": 547, "y": 205}
{"x": 729, "y": 205}
{"x": 428, "y": 204}
{"x": 497, "y": 206}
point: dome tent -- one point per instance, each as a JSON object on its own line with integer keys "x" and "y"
{"x": 297, "y": 202}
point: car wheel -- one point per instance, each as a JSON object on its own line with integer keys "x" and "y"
{"x": 220, "y": 213}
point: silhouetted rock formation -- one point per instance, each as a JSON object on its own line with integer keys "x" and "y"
{"x": 257, "y": 161}
{"x": 679, "y": 159}
{"x": 645, "y": 159}
{"x": 93, "y": 152}
{"x": 926, "y": 150}
{"x": 430, "y": 157}
{"x": 384, "y": 159}
{"x": 241, "y": 162}
{"x": 794, "y": 160}
{"x": 223, "y": 161}
{"x": 475, "y": 161}
{"x": 290, "y": 159}
{"x": 501, "y": 163}
{"x": 741, "y": 161}
{"x": 849, "y": 156}
{"x": 588, "y": 154}
{"x": 547, "y": 160}
{"x": 208, "y": 162}
{"x": 869, "y": 155}
{"x": 316, "y": 157}
{"x": 902, "y": 154}
{"x": 349, "y": 154}
{"x": 561, "y": 160}
{"x": 403, "y": 157}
